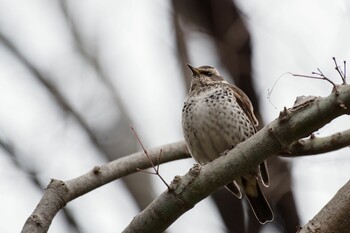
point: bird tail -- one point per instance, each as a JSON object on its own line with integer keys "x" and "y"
{"x": 257, "y": 200}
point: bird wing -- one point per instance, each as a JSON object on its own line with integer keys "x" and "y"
{"x": 245, "y": 104}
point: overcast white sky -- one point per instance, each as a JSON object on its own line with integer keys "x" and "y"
{"x": 137, "y": 47}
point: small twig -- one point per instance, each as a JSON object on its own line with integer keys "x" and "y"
{"x": 320, "y": 76}
{"x": 160, "y": 155}
{"x": 342, "y": 75}
{"x": 269, "y": 92}
{"x": 143, "y": 148}
{"x": 156, "y": 170}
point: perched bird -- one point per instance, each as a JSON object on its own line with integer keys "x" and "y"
{"x": 216, "y": 116}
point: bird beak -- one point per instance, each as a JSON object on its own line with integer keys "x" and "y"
{"x": 194, "y": 70}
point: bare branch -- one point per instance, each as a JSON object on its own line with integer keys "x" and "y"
{"x": 59, "y": 193}
{"x": 334, "y": 217}
{"x": 317, "y": 145}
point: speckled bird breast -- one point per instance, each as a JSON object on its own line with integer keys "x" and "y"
{"x": 213, "y": 122}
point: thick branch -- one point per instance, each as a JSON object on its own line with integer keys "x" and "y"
{"x": 199, "y": 183}
{"x": 59, "y": 193}
{"x": 334, "y": 217}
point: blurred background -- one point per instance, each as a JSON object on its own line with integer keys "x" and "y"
{"x": 74, "y": 75}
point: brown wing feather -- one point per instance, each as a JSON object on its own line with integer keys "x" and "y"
{"x": 245, "y": 104}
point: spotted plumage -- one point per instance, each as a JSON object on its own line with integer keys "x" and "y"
{"x": 216, "y": 117}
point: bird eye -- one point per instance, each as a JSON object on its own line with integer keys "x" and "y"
{"x": 208, "y": 73}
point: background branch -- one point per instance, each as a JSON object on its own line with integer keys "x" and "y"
{"x": 121, "y": 141}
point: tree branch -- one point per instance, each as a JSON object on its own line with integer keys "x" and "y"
{"x": 292, "y": 124}
{"x": 59, "y": 193}
{"x": 334, "y": 217}
{"x": 318, "y": 145}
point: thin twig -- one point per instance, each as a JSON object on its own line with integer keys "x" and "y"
{"x": 143, "y": 148}
{"x": 342, "y": 75}
{"x": 158, "y": 165}
{"x": 156, "y": 170}
{"x": 320, "y": 76}
{"x": 160, "y": 155}
{"x": 269, "y": 92}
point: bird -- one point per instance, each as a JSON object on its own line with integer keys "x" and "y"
{"x": 217, "y": 116}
